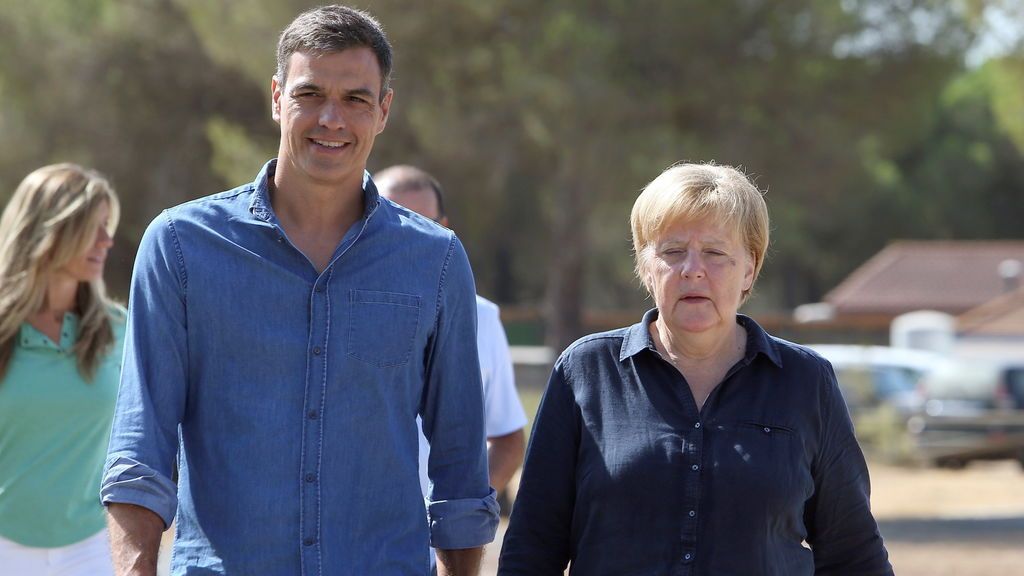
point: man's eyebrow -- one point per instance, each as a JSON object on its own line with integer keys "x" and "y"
{"x": 302, "y": 86}
{"x": 311, "y": 87}
{"x": 361, "y": 92}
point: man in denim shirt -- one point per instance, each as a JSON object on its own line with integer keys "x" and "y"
{"x": 283, "y": 337}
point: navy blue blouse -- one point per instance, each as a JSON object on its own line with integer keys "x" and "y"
{"x": 623, "y": 475}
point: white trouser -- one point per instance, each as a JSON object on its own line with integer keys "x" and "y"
{"x": 90, "y": 557}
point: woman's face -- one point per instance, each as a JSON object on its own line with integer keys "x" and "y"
{"x": 697, "y": 275}
{"x": 88, "y": 265}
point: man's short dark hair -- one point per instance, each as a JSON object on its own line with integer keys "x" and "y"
{"x": 332, "y": 29}
{"x": 404, "y": 178}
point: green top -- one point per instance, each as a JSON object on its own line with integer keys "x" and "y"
{"x": 54, "y": 429}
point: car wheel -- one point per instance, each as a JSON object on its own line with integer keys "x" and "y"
{"x": 952, "y": 463}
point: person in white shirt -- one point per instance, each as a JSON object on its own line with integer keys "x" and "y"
{"x": 504, "y": 418}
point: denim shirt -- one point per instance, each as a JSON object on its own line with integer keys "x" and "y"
{"x": 290, "y": 397}
{"x": 624, "y": 475}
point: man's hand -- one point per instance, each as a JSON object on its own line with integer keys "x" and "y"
{"x": 459, "y": 562}
{"x": 134, "y": 539}
{"x": 504, "y": 457}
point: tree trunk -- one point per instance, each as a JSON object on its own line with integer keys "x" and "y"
{"x": 563, "y": 305}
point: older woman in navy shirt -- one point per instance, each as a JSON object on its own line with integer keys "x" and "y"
{"x": 694, "y": 442}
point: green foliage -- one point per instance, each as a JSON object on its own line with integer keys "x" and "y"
{"x": 1007, "y": 78}
{"x": 235, "y": 156}
{"x": 544, "y": 120}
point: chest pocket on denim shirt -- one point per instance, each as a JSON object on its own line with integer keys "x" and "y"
{"x": 382, "y": 326}
{"x": 763, "y": 466}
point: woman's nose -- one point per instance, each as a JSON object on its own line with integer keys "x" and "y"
{"x": 103, "y": 238}
{"x": 693, "y": 266}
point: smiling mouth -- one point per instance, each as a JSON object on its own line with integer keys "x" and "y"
{"x": 329, "y": 144}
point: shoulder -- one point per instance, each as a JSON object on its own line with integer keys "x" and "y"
{"x": 591, "y": 349}
{"x": 220, "y": 207}
{"x": 487, "y": 312}
{"x": 485, "y": 306}
{"x": 118, "y": 313}
{"x": 118, "y": 316}
{"x": 409, "y": 225}
{"x": 215, "y": 211}
{"x": 799, "y": 356}
{"x": 805, "y": 372}
{"x": 790, "y": 359}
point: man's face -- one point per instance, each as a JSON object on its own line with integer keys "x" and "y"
{"x": 330, "y": 111}
{"x": 419, "y": 200}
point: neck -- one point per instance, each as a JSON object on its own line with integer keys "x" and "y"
{"x": 60, "y": 296}
{"x": 695, "y": 348}
{"x": 311, "y": 207}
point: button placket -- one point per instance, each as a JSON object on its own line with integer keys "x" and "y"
{"x": 319, "y": 302}
{"x": 693, "y": 448}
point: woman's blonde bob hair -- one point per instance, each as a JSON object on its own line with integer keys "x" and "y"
{"x": 50, "y": 220}
{"x": 686, "y": 193}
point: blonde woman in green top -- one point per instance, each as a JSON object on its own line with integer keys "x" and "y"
{"x": 60, "y": 354}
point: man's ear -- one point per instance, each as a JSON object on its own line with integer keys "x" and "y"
{"x": 385, "y": 108}
{"x": 275, "y": 99}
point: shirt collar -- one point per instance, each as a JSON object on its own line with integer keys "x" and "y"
{"x": 638, "y": 338}
{"x": 261, "y": 208}
{"x": 30, "y": 338}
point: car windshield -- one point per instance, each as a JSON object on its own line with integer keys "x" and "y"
{"x": 867, "y": 385}
{"x": 893, "y": 380}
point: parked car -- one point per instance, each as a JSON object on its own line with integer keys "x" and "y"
{"x": 967, "y": 386}
{"x": 881, "y": 388}
{"x": 973, "y": 410}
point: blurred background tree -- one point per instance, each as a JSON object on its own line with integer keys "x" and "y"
{"x": 865, "y": 121}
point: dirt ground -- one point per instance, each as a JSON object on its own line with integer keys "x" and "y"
{"x": 935, "y": 522}
{"x": 952, "y": 522}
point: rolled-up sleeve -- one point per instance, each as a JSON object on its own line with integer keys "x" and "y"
{"x": 461, "y": 507}
{"x": 841, "y": 530}
{"x": 152, "y": 395}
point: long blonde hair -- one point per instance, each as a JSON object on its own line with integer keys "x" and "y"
{"x": 49, "y": 221}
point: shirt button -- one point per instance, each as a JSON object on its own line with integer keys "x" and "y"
{"x": 687, "y": 556}
{"x": 697, "y": 425}
{"x": 767, "y": 430}
{"x": 310, "y": 477}
{"x": 312, "y": 414}
{"x": 316, "y": 351}
{"x": 692, "y": 513}
{"x": 309, "y": 541}
{"x": 320, "y": 288}
{"x": 695, "y": 467}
